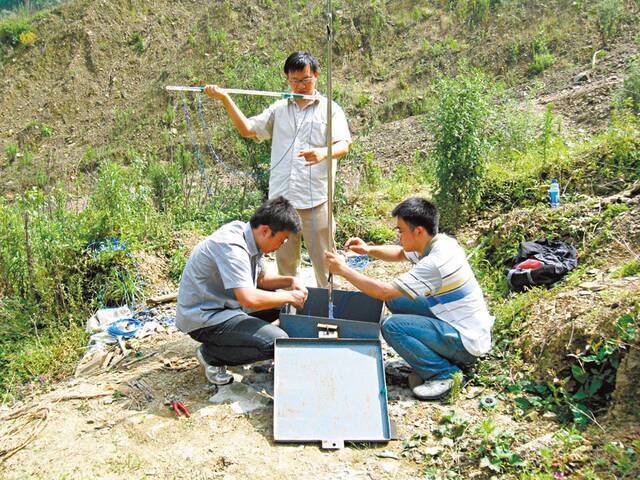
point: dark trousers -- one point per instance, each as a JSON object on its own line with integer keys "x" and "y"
{"x": 240, "y": 340}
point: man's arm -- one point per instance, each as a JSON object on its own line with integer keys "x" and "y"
{"x": 257, "y": 299}
{"x": 235, "y": 114}
{"x": 316, "y": 155}
{"x": 273, "y": 282}
{"x": 374, "y": 288}
{"x": 388, "y": 253}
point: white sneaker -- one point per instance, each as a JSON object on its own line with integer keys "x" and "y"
{"x": 215, "y": 375}
{"x": 433, "y": 389}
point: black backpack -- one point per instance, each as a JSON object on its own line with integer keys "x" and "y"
{"x": 557, "y": 257}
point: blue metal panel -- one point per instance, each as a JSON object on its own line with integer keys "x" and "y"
{"x": 356, "y": 315}
{"x": 330, "y": 390}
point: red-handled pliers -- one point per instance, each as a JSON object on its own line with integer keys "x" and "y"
{"x": 179, "y": 408}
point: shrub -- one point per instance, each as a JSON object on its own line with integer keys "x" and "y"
{"x": 11, "y": 29}
{"x": 540, "y": 62}
{"x": 461, "y": 141}
{"x": 11, "y": 151}
{"x": 629, "y": 96}
{"x": 609, "y": 16}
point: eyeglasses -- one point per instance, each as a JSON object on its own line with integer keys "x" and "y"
{"x": 400, "y": 232}
{"x": 302, "y": 81}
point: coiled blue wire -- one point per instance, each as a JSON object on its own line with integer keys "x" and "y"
{"x": 116, "y": 331}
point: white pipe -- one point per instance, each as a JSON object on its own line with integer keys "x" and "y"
{"x": 241, "y": 91}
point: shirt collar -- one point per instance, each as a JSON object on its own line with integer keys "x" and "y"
{"x": 430, "y": 245}
{"x": 250, "y": 239}
{"x": 316, "y": 101}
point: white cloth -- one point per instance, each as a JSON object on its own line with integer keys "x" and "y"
{"x": 292, "y": 129}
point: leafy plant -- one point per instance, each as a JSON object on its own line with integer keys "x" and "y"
{"x": 11, "y": 150}
{"x": 629, "y": 269}
{"x": 461, "y": 143}
{"x": 136, "y": 40}
{"x": 629, "y": 95}
{"x": 495, "y": 448}
{"x": 590, "y": 380}
{"x": 609, "y": 16}
{"x": 540, "y": 62}
{"x": 452, "y": 425}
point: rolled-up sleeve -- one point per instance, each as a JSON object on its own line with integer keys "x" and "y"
{"x": 262, "y": 124}
{"x": 339, "y": 127}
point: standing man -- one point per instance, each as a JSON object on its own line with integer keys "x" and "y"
{"x": 226, "y": 301}
{"x": 298, "y": 132}
{"x": 439, "y": 318}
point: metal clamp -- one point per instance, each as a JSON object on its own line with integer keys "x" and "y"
{"x": 326, "y": 330}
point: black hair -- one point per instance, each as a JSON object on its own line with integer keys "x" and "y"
{"x": 299, "y": 60}
{"x": 418, "y": 212}
{"x": 278, "y": 214}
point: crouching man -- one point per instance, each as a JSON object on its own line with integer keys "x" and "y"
{"x": 439, "y": 319}
{"x": 226, "y": 301}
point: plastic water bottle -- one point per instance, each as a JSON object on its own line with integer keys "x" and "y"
{"x": 554, "y": 193}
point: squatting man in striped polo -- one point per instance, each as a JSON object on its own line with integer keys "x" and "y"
{"x": 439, "y": 319}
{"x": 227, "y": 301}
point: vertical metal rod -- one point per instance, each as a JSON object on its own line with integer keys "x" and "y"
{"x": 329, "y": 17}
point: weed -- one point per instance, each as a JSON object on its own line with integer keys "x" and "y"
{"x": 136, "y": 40}
{"x": 451, "y": 425}
{"x": 540, "y": 62}
{"x": 623, "y": 462}
{"x": 169, "y": 116}
{"x": 610, "y": 14}
{"x": 629, "y": 95}
{"x": 495, "y": 448}
{"x": 372, "y": 172}
{"x": 11, "y": 151}
{"x": 27, "y": 38}
{"x": 12, "y": 27}
{"x": 454, "y": 396}
{"x": 177, "y": 262}
{"x": 590, "y": 381}
{"x": 629, "y": 269}
{"x": 547, "y": 131}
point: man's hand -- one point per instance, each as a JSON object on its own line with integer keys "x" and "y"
{"x": 298, "y": 286}
{"x": 214, "y": 91}
{"x": 357, "y": 245}
{"x": 297, "y": 298}
{"x": 313, "y": 156}
{"x": 335, "y": 263}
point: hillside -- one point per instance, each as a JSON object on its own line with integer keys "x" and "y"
{"x": 108, "y": 182}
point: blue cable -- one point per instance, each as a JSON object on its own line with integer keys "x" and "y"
{"x": 115, "y": 331}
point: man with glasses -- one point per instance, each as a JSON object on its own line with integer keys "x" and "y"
{"x": 226, "y": 300}
{"x": 439, "y": 320}
{"x": 298, "y": 132}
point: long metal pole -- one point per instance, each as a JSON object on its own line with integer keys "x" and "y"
{"x": 241, "y": 91}
{"x": 329, "y": 16}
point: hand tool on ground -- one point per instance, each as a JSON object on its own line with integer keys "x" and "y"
{"x": 177, "y": 406}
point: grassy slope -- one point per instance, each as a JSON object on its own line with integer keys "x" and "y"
{"x": 103, "y": 65}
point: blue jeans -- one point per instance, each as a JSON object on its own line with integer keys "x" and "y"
{"x": 431, "y": 346}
